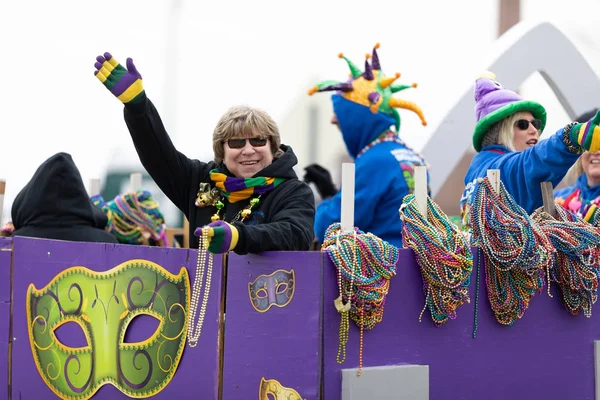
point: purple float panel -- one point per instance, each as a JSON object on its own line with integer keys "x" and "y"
{"x": 272, "y": 327}
{"x": 5, "y": 242}
{"x": 5, "y": 252}
{"x": 5, "y": 260}
{"x": 4, "y": 340}
{"x": 38, "y": 261}
{"x": 548, "y": 354}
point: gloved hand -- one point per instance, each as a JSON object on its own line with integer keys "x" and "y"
{"x": 222, "y": 237}
{"x": 124, "y": 84}
{"x": 587, "y": 134}
{"x": 322, "y": 180}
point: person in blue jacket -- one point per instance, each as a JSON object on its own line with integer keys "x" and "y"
{"x": 506, "y": 138}
{"x": 365, "y": 112}
{"x": 583, "y": 197}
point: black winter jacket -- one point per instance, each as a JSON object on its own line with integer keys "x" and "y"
{"x": 284, "y": 218}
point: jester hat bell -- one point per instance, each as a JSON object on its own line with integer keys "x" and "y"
{"x": 493, "y": 103}
{"x": 372, "y": 89}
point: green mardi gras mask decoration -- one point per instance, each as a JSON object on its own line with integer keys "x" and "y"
{"x": 103, "y": 305}
{"x": 276, "y": 289}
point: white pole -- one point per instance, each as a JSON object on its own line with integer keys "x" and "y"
{"x": 347, "y": 213}
{"x": 94, "y": 187}
{"x": 2, "y": 189}
{"x": 494, "y": 178}
{"x": 135, "y": 180}
{"x": 421, "y": 189}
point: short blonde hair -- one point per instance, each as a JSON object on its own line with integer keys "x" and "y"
{"x": 243, "y": 121}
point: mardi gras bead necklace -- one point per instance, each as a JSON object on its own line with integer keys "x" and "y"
{"x": 575, "y": 268}
{"x": 389, "y": 136}
{"x": 241, "y": 215}
{"x": 195, "y": 330}
{"x": 517, "y": 252}
{"x": 365, "y": 265}
{"x": 477, "y": 285}
{"x": 213, "y": 197}
{"x": 443, "y": 255}
{"x": 342, "y": 308}
{"x": 207, "y": 197}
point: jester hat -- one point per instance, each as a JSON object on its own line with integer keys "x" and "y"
{"x": 372, "y": 89}
{"x": 493, "y": 103}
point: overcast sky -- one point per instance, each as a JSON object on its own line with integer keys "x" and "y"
{"x": 198, "y": 58}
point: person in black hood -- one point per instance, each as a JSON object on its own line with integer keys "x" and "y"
{"x": 248, "y": 200}
{"x": 55, "y": 205}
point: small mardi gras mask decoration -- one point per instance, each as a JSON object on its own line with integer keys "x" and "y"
{"x": 276, "y": 391}
{"x": 103, "y": 306}
{"x": 206, "y": 196}
{"x": 276, "y": 289}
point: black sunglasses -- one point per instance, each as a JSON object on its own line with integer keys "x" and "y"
{"x": 254, "y": 142}
{"x": 523, "y": 124}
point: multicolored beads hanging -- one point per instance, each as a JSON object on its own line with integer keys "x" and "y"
{"x": 133, "y": 218}
{"x": 588, "y": 210}
{"x": 517, "y": 251}
{"x": 365, "y": 265}
{"x": 575, "y": 267}
{"x": 443, "y": 255}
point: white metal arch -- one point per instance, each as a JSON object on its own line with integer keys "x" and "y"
{"x": 526, "y": 48}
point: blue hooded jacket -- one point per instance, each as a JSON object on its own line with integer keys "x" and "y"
{"x": 521, "y": 172}
{"x": 383, "y": 174}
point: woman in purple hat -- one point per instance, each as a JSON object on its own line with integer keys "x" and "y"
{"x": 506, "y": 138}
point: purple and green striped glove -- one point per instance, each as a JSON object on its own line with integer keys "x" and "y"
{"x": 222, "y": 237}
{"x": 587, "y": 134}
{"x": 124, "y": 84}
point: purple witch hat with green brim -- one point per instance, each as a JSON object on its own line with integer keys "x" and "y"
{"x": 493, "y": 103}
